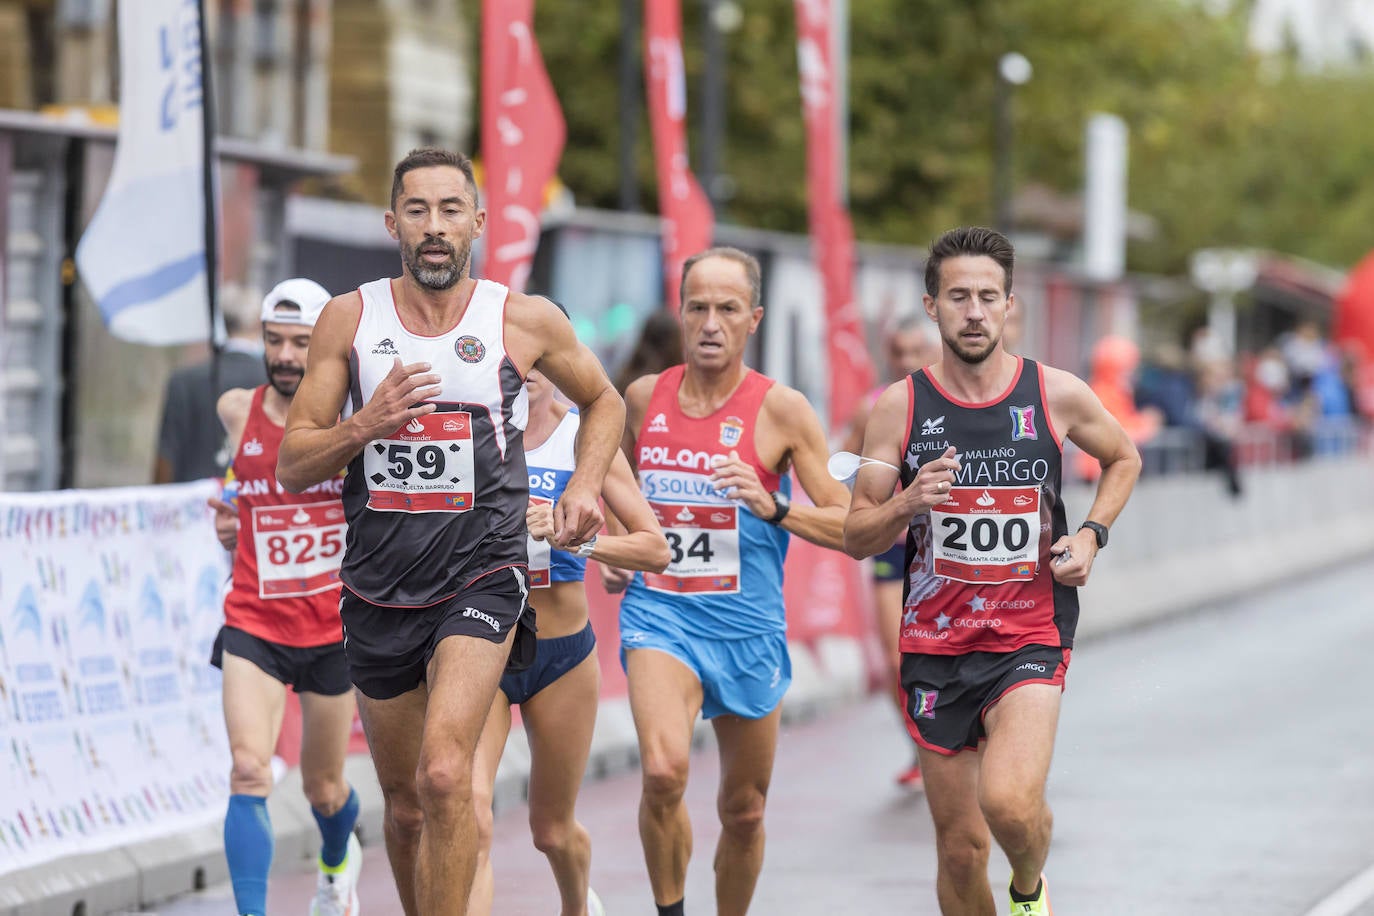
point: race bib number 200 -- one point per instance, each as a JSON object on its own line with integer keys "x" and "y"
{"x": 425, "y": 466}
{"x": 987, "y": 535}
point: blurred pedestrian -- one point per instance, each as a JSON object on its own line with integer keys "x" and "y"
{"x": 1114, "y": 363}
{"x": 191, "y": 442}
{"x": 659, "y": 347}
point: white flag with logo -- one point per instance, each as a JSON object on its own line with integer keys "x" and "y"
{"x": 143, "y": 255}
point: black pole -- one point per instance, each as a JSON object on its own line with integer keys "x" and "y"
{"x": 1002, "y": 162}
{"x": 631, "y": 97}
{"x": 207, "y": 170}
{"x": 712, "y": 102}
{"x": 74, "y": 190}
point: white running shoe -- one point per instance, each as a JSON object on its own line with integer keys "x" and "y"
{"x": 337, "y": 894}
{"x": 594, "y": 907}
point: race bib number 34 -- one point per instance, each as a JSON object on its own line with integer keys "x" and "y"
{"x": 299, "y": 548}
{"x": 704, "y": 541}
{"x": 425, "y": 466}
{"x": 986, "y": 535}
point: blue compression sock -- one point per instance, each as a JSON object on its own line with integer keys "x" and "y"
{"x": 248, "y": 845}
{"x": 335, "y": 828}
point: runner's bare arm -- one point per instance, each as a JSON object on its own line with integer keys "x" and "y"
{"x": 1080, "y": 417}
{"x": 642, "y": 545}
{"x": 637, "y": 395}
{"x": 788, "y": 435}
{"x": 877, "y": 515}
{"x": 545, "y": 332}
{"x": 233, "y": 407}
{"x": 317, "y": 444}
{"x": 822, "y": 522}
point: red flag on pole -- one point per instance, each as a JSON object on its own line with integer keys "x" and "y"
{"x": 687, "y": 218}
{"x": 832, "y": 237}
{"x": 522, "y": 138}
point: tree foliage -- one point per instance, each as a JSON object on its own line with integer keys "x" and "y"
{"x": 1225, "y": 149}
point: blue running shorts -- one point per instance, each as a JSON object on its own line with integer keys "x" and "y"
{"x": 744, "y": 677}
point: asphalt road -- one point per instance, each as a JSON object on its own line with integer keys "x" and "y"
{"x": 1219, "y": 763}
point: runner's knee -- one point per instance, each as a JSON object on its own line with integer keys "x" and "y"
{"x": 963, "y": 855}
{"x": 326, "y": 792}
{"x": 551, "y": 835}
{"x": 486, "y": 819}
{"x": 665, "y": 778}
{"x": 1011, "y": 813}
{"x": 443, "y": 783}
{"x": 741, "y": 814}
{"x": 251, "y": 773}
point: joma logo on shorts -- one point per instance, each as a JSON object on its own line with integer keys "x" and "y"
{"x": 487, "y": 618}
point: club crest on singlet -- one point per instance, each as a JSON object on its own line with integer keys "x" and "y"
{"x": 469, "y": 349}
{"x": 1023, "y": 423}
{"x": 731, "y": 429}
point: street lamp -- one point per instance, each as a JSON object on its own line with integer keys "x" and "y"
{"x": 1013, "y": 69}
{"x": 721, "y": 17}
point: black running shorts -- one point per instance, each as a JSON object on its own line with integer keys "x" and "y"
{"x": 313, "y": 669}
{"x": 948, "y": 696}
{"x": 389, "y": 648}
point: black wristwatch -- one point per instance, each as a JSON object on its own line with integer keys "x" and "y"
{"x": 781, "y": 506}
{"x": 1099, "y": 530}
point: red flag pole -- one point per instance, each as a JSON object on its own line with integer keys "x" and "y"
{"x": 523, "y": 132}
{"x": 832, "y": 237}
{"x": 688, "y": 222}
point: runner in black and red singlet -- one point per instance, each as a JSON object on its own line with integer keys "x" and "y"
{"x": 281, "y": 624}
{"x": 417, "y": 385}
{"x": 991, "y": 566}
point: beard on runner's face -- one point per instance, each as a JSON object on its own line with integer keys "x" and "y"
{"x": 972, "y": 350}
{"x": 284, "y": 378}
{"x": 435, "y": 275}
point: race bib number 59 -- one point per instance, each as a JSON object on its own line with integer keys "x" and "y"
{"x": 987, "y": 535}
{"x": 425, "y": 466}
{"x": 299, "y": 548}
{"x": 704, "y": 541}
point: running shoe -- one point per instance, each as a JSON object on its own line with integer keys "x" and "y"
{"x": 336, "y": 890}
{"x": 1040, "y": 906}
{"x": 911, "y": 778}
{"x": 594, "y": 907}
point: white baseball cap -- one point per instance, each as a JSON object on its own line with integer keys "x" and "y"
{"x": 307, "y": 296}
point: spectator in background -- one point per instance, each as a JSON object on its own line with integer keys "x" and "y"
{"x": 659, "y": 347}
{"x": 1114, "y": 362}
{"x": 1217, "y": 416}
{"x": 191, "y": 443}
{"x": 1166, "y": 385}
{"x": 1266, "y": 386}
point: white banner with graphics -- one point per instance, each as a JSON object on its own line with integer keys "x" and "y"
{"x": 151, "y": 288}
{"x": 110, "y": 723}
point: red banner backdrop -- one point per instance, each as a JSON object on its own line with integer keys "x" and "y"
{"x": 522, "y": 138}
{"x": 688, "y": 222}
{"x": 832, "y": 237}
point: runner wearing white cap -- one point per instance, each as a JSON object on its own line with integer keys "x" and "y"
{"x": 282, "y": 623}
